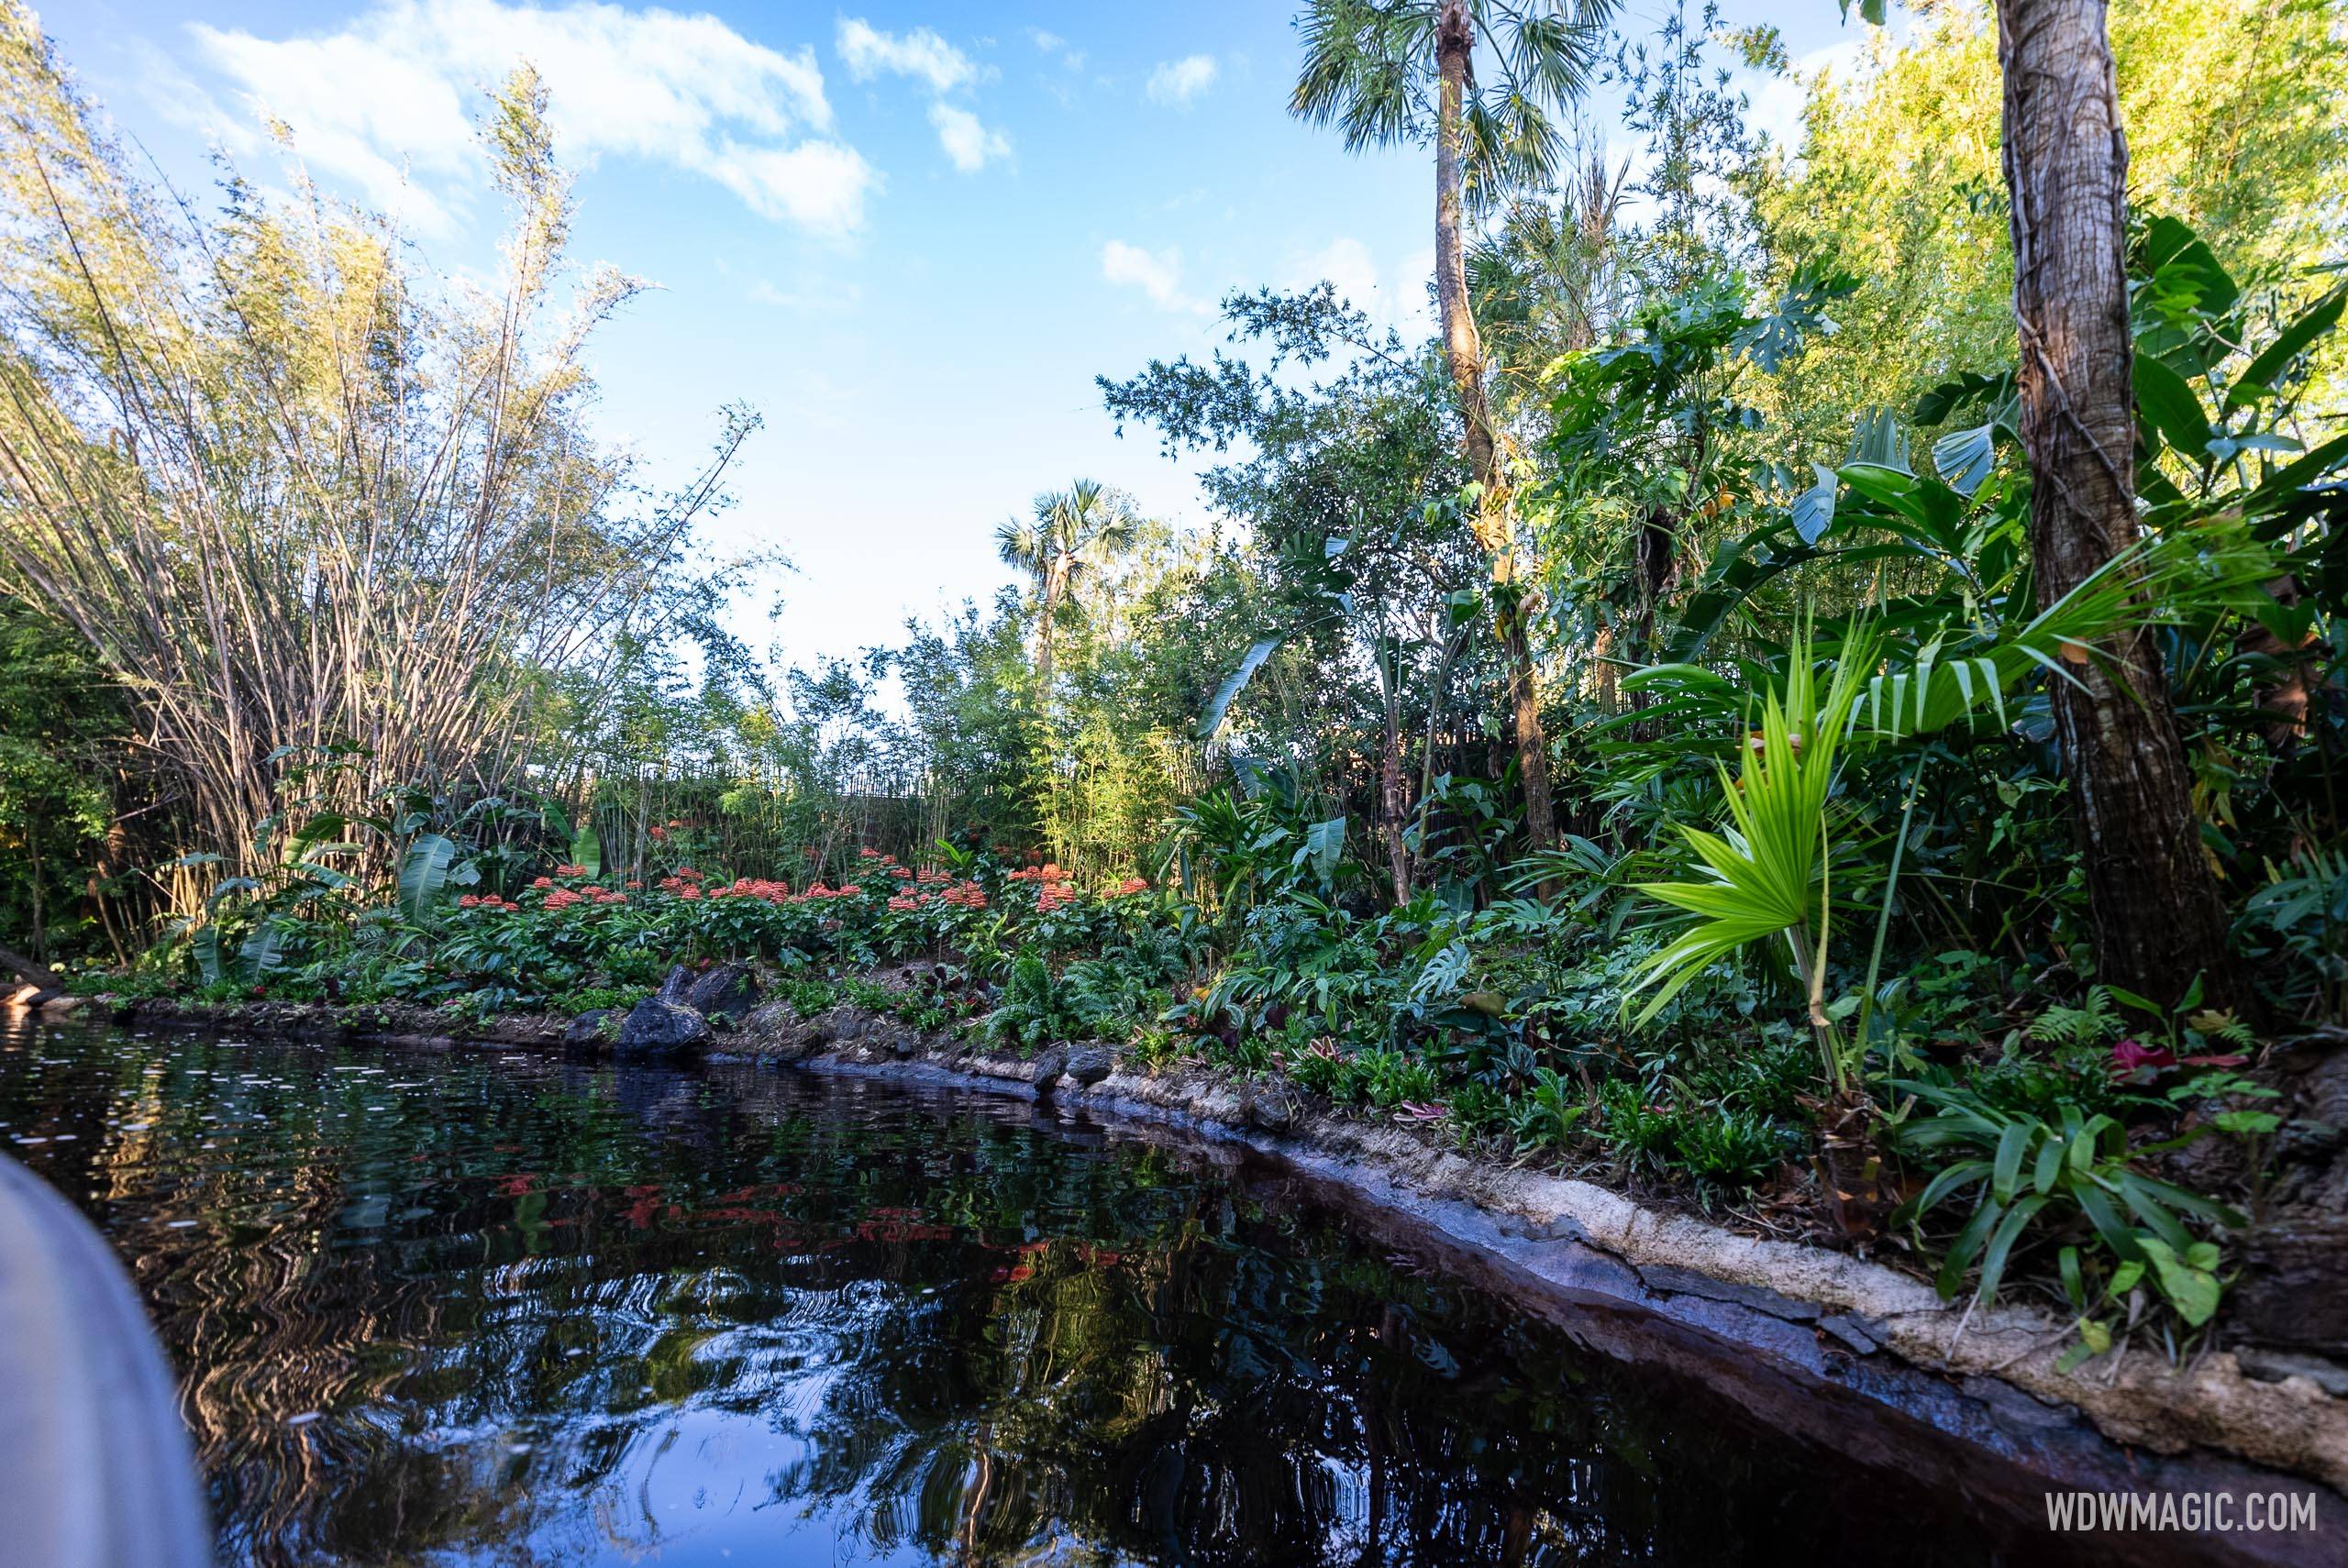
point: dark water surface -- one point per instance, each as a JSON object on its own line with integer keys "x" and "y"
{"x": 498, "y": 1309}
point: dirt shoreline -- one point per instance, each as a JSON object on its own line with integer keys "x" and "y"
{"x": 1829, "y": 1347}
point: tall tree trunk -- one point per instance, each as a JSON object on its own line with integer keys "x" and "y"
{"x": 1464, "y": 351}
{"x": 2158, "y": 921}
{"x": 40, "y": 915}
{"x": 1055, "y": 585}
{"x": 1393, "y": 804}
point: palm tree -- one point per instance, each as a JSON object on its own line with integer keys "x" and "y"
{"x": 2159, "y": 922}
{"x": 1392, "y": 71}
{"x": 1070, "y": 530}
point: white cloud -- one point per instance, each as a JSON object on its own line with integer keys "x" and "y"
{"x": 388, "y": 102}
{"x": 870, "y": 51}
{"x": 1157, "y": 273}
{"x": 925, "y": 57}
{"x": 1052, "y": 43}
{"x": 1396, "y": 299}
{"x": 965, "y": 141}
{"x": 820, "y": 185}
{"x": 1178, "y": 81}
{"x": 1346, "y": 263}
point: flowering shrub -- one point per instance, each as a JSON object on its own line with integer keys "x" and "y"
{"x": 566, "y": 928}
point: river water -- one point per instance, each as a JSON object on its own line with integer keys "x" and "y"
{"x": 496, "y": 1309}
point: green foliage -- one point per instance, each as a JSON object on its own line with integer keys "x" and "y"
{"x": 1548, "y": 1114}
{"x": 2037, "y": 1176}
{"x": 1761, "y": 519}
{"x": 62, "y": 726}
{"x": 1765, "y": 879}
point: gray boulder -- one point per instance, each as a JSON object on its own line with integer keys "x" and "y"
{"x": 587, "y": 1029}
{"x": 656, "y": 1028}
{"x": 1270, "y": 1107}
{"x": 1090, "y": 1064}
{"x": 728, "y": 988}
{"x": 1048, "y": 1068}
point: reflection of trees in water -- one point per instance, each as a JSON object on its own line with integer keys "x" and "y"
{"x": 1210, "y": 1402}
{"x": 515, "y": 1299}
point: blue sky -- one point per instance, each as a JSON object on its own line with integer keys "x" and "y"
{"x": 910, "y": 235}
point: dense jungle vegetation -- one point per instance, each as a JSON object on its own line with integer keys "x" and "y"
{"x": 1729, "y": 712}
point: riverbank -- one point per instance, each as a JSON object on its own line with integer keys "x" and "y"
{"x": 1784, "y": 1321}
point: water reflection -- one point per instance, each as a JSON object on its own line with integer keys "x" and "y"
{"x": 496, "y": 1309}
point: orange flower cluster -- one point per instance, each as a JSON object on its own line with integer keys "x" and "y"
{"x": 1129, "y": 887}
{"x": 485, "y": 901}
{"x": 570, "y": 870}
{"x": 1054, "y": 888}
{"x": 754, "y": 888}
{"x": 564, "y": 898}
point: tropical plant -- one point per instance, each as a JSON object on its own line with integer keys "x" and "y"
{"x": 2033, "y": 1174}
{"x": 1765, "y": 876}
{"x": 1386, "y": 72}
{"x": 2080, "y": 391}
{"x": 1069, "y": 531}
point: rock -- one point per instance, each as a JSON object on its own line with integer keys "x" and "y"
{"x": 769, "y": 1021}
{"x": 1852, "y": 1331}
{"x": 656, "y": 1028}
{"x": 1047, "y": 1069}
{"x": 674, "y": 985}
{"x": 1270, "y": 1106}
{"x": 844, "y": 1023}
{"x": 2272, "y": 1366}
{"x": 729, "y": 990}
{"x": 587, "y": 1029}
{"x": 1089, "y": 1064}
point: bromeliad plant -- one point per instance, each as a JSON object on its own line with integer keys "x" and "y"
{"x": 1763, "y": 878}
